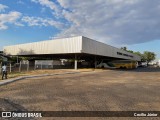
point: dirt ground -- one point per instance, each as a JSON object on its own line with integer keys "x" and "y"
{"x": 39, "y": 72}
{"x": 107, "y": 90}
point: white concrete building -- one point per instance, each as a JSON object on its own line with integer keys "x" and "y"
{"x": 78, "y": 47}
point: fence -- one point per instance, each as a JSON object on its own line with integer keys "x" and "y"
{"x": 24, "y": 65}
{"x": 51, "y": 64}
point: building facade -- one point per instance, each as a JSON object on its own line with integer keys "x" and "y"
{"x": 79, "y": 47}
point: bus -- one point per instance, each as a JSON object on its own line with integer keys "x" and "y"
{"x": 105, "y": 64}
{"x": 128, "y": 64}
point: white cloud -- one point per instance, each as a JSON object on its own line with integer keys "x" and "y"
{"x": 38, "y": 21}
{"x": 46, "y": 3}
{"x": 49, "y": 4}
{"x": 3, "y": 7}
{"x": 20, "y": 2}
{"x": 19, "y": 24}
{"x": 43, "y": 10}
{"x": 11, "y": 18}
{"x": 113, "y": 21}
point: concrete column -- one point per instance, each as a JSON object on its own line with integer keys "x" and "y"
{"x": 41, "y": 65}
{"x": 27, "y": 65}
{"x": 17, "y": 59}
{"x": 75, "y": 62}
{"x": 10, "y": 66}
{"x": 95, "y": 62}
{"x": 20, "y": 66}
{"x": 1, "y": 67}
{"x": 35, "y": 65}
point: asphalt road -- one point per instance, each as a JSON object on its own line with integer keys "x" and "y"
{"x": 107, "y": 90}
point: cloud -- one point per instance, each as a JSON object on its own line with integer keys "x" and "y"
{"x": 47, "y": 3}
{"x": 10, "y": 18}
{"x": 38, "y": 21}
{"x": 43, "y": 10}
{"x": 20, "y": 2}
{"x": 3, "y": 7}
{"x": 113, "y": 21}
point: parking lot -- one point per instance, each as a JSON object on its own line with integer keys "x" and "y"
{"x": 99, "y": 90}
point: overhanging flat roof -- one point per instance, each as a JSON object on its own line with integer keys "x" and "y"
{"x": 68, "y": 47}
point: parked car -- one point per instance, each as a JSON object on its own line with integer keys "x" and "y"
{"x": 159, "y": 63}
{"x": 143, "y": 64}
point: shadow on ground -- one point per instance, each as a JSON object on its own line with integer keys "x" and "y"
{"x": 7, "y": 105}
{"x": 142, "y": 69}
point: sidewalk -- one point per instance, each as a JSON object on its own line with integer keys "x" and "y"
{"x": 58, "y": 72}
{"x": 7, "y": 81}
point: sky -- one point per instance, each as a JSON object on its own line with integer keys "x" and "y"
{"x": 131, "y": 23}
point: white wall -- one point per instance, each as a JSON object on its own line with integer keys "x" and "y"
{"x": 68, "y": 45}
{"x": 57, "y": 46}
{"x": 97, "y": 48}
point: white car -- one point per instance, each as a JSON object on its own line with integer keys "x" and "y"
{"x": 144, "y": 64}
{"x": 159, "y": 63}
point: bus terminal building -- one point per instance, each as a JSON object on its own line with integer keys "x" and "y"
{"x": 78, "y": 48}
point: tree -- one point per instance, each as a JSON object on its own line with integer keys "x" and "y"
{"x": 149, "y": 56}
{"x": 138, "y": 53}
{"x": 130, "y": 51}
{"x": 124, "y": 48}
{"x": 141, "y": 55}
{"x": 146, "y": 56}
{"x": 1, "y": 59}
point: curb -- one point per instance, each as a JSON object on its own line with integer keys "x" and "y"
{"x": 4, "y": 82}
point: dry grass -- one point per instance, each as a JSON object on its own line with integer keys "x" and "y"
{"x": 51, "y": 71}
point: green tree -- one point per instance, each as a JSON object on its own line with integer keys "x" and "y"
{"x": 130, "y": 51}
{"x": 149, "y": 56}
{"x": 23, "y": 58}
{"x": 146, "y": 56}
{"x": 13, "y": 58}
{"x": 124, "y": 48}
{"x": 138, "y": 53}
{"x": 141, "y": 55}
{"x": 1, "y": 59}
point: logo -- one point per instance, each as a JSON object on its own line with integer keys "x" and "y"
{"x": 6, "y": 114}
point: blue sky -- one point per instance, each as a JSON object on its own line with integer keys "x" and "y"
{"x": 131, "y": 23}
{"x": 153, "y": 46}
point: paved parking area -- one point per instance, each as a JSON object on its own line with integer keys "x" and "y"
{"x": 107, "y": 90}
